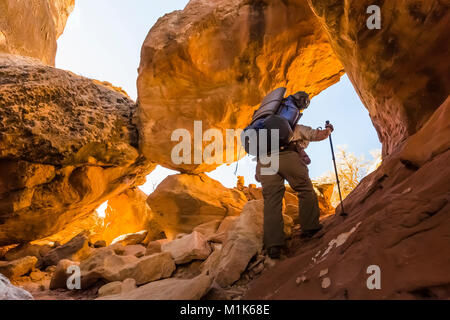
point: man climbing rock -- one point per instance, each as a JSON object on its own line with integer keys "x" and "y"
{"x": 293, "y": 162}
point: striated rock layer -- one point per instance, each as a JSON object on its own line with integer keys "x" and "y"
{"x": 31, "y": 27}
{"x": 214, "y": 61}
{"x": 67, "y": 144}
{"x": 400, "y": 71}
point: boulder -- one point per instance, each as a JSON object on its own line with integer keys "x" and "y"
{"x": 136, "y": 250}
{"x": 182, "y": 202}
{"x": 117, "y": 287}
{"x": 155, "y": 246}
{"x": 214, "y": 61}
{"x": 190, "y": 247}
{"x": 32, "y": 29}
{"x": 75, "y": 250}
{"x": 131, "y": 238}
{"x": 60, "y": 275}
{"x": 67, "y": 144}
{"x": 209, "y": 228}
{"x": 222, "y": 232}
{"x": 10, "y": 292}
{"x": 111, "y": 264}
{"x": 168, "y": 289}
{"x": 242, "y": 244}
{"x": 412, "y": 80}
{"x": 209, "y": 265}
{"x": 17, "y": 268}
{"x": 27, "y": 249}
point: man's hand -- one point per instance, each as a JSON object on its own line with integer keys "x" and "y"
{"x": 329, "y": 126}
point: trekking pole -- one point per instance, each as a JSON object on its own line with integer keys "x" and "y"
{"x": 237, "y": 163}
{"x": 343, "y": 214}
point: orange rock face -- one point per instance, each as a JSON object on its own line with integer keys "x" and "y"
{"x": 183, "y": 201}
{"x": 67, "y": 144}
{"x": 215, "y": 61}
{"x": 31, "y": 27}
{"x": 127, "y": 213}
{"x": 398, "y": 216}
{"x": 400, "y": 71}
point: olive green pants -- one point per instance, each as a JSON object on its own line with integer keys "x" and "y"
{"x": 292, "y": 169}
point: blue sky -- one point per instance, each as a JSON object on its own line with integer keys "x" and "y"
{"x": 103, "y": 39}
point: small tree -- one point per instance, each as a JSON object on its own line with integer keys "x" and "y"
{"x": 351, "y": 170}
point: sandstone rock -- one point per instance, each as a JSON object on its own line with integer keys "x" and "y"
{"x": 380, "y": 81}
{"x": 188, "y": 270}
{"x": 215, "y": 60}
{"x": 110, "y": 289}
{"x": 404, "y": 219}
{"x": 27, "y": 249}
{"x": 252, "y": 192}
{"x": 244, "y": 241}
{"x": 225, "y": 227}
{"x": 209, "y": 228}
{"x": 432, "y": 139}
{"x": 37, "y": 275}
{"x": 209, "y": 265}
{"x": 17, "y": 268}
{"x": 127, "y": 213}
{"x": 100, "y": 244}
{"x": 75, "y": 250}
{"x": 60, "y": 275}
{"x": 117, "y": 287}
{"x": 324, "y": 193}
{"x": 131, "y": 238}
{"x": 183, "y": 201}
{"x": 67, "y": 145}
{"x": 136, "y": 250}
{"x": 190, "y": 247}
{"x": 109, "y": 265}
{"x": 31, "y": 29}
{"x": 168, "y": 289}
{"x": 288, "y": 224}
{"x": 10, "y": 292}
{"x": 154, "y": 247}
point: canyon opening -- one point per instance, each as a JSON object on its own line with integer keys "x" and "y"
{"x": 122, "y": 175}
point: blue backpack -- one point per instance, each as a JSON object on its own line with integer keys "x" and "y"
{"x": 275, "y": 113}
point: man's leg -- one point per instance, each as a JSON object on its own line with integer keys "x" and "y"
{"x": 298, "y": 177}
{"x": 273, "y": 193}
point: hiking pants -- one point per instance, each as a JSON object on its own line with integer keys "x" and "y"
{"x": 294, "y": 170}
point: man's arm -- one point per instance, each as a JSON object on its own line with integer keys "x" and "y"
{"x": 322, "y": 134}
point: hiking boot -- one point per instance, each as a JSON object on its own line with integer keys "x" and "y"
{"x": 310, "y": 233}
{"x": 274, "y": 252}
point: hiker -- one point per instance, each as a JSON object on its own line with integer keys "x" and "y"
{"x": 293, "y": 162}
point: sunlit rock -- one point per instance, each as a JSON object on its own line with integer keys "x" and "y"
{"x": 214, "y": 61}
{"x": 17, "y": 268}
{"x": 184, "y": 201}
{"x": 32, "y": 28}
{"x": 400, "y": 71}
{"x": 168, "y": 289}
{"x": 187, "y": 248}
{"x": 67, "y": 144}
